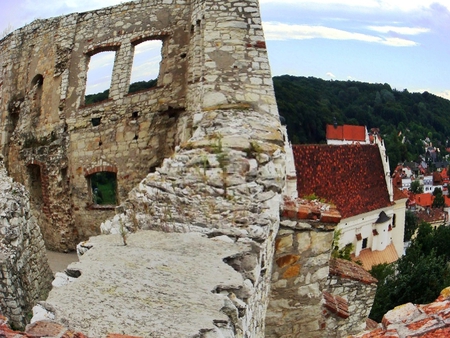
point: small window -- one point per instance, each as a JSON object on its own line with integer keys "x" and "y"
{"x": 103, "y": 187}
{"x": 364, "y": 243}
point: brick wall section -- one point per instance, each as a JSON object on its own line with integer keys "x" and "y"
{"x": 351, "y": 284}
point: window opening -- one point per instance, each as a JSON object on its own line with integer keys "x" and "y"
{"x": 36, "y": 92}
{"x": 99, "y": 76}
{"x": 103, "y": 186}
{"x": 35, "y": 184}
{"x": 96, "y": 121}
{"x": 145, "y": 70}
{"x": 364, "y": 243}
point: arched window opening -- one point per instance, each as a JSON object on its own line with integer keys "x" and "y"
{"x": 36, "y": 96}
{"x": 99, "y": 77}
{"x": 103, "y": 187}
{"x": 146, "y": 64}
{"x": 35, "y": 185}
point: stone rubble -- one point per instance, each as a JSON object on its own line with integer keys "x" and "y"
{"x": 25, "y": 276}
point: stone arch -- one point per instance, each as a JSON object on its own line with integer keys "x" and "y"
{"x": 36, "y": 97}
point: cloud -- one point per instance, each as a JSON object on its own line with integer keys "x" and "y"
{"x": 330, "y": 75}
{"x": 399, "y": 30}
{"x": 387, "y": 5}
{"x": 445, "y": 94}
{"x": 281, "y": 31}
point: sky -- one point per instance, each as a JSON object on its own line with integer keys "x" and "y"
{"x": 405, "y": 43}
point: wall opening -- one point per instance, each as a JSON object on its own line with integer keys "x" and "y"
{"x": 36, "y": 98}
{"x": 35, "y": 185}
{"x": 146, "y": 64}
{"x": 103, "y": 188}
{"x": 364, "y": 243}
{"x": 99, "y": 76}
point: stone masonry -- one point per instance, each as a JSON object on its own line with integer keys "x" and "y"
{"x": 25, "y": 274}
{"x": 201, "y": 159}
{"x": 213, "y": 57}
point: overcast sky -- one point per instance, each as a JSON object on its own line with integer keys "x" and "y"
{"x": 405, "y": 43}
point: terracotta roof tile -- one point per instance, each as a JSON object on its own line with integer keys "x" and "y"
{"x": 369, "y": 258}
{"x": 410, "y": 320}
{"x": 336, "y": 304}
{"x": 350, "y": 270}
{"x": 346, "y": 132}
{"x": 350, "y": 176}
{"x": 424, "y": 200}
{"x": 399, "y": 195}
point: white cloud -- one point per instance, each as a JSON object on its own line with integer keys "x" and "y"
{"x": 399, "y": 30}
{"x": 330, "y": 75}
{"x": 281, "y": 31}
{"x": 389, "y": 5}
{"x": 445, "y": 94}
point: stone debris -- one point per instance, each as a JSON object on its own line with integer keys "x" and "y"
{"x": 25, "y": 276}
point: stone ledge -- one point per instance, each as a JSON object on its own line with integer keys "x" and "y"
{"x": 347, "y": 269}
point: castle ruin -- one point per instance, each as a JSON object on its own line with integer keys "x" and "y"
{"x": 203, "y": 154}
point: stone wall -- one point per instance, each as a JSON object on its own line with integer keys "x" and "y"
{"x": 357, "y": 288}
{"x": 25, "y": 274}
{"x": 213, "y": 56}
{"x": 209, "y": 132}
{"x": 300, "y": 269}
{"x": 311, "y": 295}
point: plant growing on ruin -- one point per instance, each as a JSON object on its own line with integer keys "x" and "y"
{"x": 123, "y": 232}
{"x": 336, "y": 251}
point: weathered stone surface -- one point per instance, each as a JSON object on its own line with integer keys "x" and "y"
{"x": 213, "y": 60}
{"x": 168, "y": 285}
{"x": 25, "y": 276}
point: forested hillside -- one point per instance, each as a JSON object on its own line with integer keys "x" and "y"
{"x": 404, "y": 118}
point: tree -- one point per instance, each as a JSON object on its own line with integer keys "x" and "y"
{"x": 416, "y": 277}
{"x": 439, "y": 201}
{"x": 416, "y": 188}
{"x": 411, "y": 225}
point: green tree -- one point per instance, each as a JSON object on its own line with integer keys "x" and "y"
{"x": 415, "y": 187}
{"x": 439, "y": 201}
{"x": 416, "y": 277}
{"x": 411, "y": 225}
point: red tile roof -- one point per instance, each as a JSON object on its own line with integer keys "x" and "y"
{"x": 369, "y": 258}
{"x": 424, "y": 200}
{"x": 346, "y": 132}
{"x": 399, "y": 194}
{"x": 350, "y": 176}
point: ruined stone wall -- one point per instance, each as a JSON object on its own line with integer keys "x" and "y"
{"x": 212, "y": 122}
{"x": 357, "y": 288}
{"x": 213, "y": 55}
{"x": 300, "y": 270}
{"x": 25, "y": 274}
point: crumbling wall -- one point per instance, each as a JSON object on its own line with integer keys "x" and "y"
{"x": 213, "y": 57}
{"x": 355, "y": 288}
{"x": 300, "y": 269}
{"x": 25, "y": 274}
{"x": 210, "y": 131}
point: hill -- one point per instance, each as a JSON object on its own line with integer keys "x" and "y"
{"x": 405, "y": 119}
